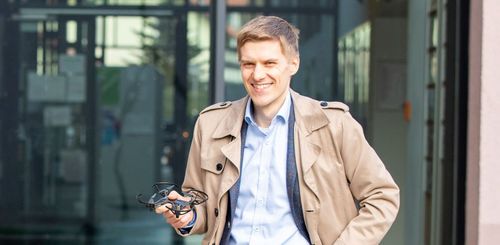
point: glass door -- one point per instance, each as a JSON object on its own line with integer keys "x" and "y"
{"x": 56, "y": 122}
{"x": 103, "y": 116}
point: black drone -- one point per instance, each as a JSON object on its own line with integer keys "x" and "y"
{"x": 178, "y": 207}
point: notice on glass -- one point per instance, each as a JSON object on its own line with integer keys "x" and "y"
{"x": 73, "y": 165}
{"x": 72, "y": 64}
{"x": 42, "y": 88}
{"x": 56, "y": 116}
{"x": 76, "y": 90}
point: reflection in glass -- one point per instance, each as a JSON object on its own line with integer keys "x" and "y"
{"x": 105, "y": 2}
{"x": 198, "y": 62}
{"x": 200, "y": 2}
{"x": 243, "y": 3}
{"x": 354, "y": 67}
{"x": 53, "y": 126}
{"x": 301, "y": 3}
{"x": 135, "y": 72}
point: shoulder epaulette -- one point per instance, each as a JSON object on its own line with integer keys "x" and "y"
{"x": 220, "y": 105}
{"x": 334, "y": 105}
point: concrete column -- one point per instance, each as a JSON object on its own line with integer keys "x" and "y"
{"x": 483, "y": 161}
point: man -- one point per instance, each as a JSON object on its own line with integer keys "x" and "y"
{"x": 281, "y": 168}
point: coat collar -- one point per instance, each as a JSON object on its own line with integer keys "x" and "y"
{"x": 308, "y": 113}
{"x": 231, "y": 124}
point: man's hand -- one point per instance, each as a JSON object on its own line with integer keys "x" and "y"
{"x": 169, "y": 216}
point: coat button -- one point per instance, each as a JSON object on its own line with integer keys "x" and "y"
{"x": 323, "y": 103}
{"x": 216, "y": 212}
{"x": 219, "y": 166}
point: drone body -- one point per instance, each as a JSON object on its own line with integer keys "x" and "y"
{"x": 178, "y": 207}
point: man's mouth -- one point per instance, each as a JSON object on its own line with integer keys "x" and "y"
{"x": 261, "y": 86}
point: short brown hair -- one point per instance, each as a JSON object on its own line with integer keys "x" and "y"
{"x": 264, "y": 28}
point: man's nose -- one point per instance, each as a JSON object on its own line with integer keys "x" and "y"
{"x": 259, "y": 72}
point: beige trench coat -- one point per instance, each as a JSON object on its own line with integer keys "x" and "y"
{"x": 335, "y": 165}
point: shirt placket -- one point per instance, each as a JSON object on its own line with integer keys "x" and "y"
{"x": 265, "y": 159}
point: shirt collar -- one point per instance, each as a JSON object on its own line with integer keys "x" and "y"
{"x": 282, "y": 114}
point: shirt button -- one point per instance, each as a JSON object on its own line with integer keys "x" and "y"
{"x": 216, "y": 212}
{"x": 256, "y": 229}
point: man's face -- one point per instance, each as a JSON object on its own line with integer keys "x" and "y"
{"x": 266, "y": 73}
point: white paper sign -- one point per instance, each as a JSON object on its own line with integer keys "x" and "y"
{"x": 76, "y": 89}
{"x": 46, "y": 88}
{"x": 72, "y": 64}
{"x": 54, "y": 116}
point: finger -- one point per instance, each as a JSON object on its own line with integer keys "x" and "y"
{"x": 174, "y": 221}
{"x": 182, "y": 221}
{"x": 174, "y": 195}
{"x": 161, "y": 209}
{"x": 179, "y": 222}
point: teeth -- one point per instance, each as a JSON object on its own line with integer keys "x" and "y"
{"x": 261, "y": 86}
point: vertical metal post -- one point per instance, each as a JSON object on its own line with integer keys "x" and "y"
{"x": 335, "y": 67}
{"x": 2, "y": 92}
{"x": 91, "y": 114}
{"x": 12, "y": 172}
{"x": 217, "y": 48}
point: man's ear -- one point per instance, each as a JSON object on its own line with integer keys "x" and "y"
{"x": 294, "y": 64}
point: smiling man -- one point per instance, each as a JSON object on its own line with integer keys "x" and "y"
{"x": 279, "y": 167}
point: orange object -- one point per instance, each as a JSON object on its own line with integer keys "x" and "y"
{"x": 407, "y": 111}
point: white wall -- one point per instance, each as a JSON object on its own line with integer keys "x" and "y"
{"x": 483, "y": 165}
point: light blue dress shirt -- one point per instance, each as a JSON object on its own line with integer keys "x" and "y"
{"x": 263, "y": 214}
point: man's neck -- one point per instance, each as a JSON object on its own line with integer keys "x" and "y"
{"x": 264, "y": 116}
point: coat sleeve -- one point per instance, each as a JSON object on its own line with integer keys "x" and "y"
{"x": 370, "y": 184}
{"x": 193, "y": 179}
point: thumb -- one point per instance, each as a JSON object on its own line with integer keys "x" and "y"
{"x": 173, "y": 195}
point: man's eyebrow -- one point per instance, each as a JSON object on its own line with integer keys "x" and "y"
{"x": 246, "y": 61}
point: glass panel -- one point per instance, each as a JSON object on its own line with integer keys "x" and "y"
{"x": 244, "y": 3}
{"x": 103, "y": 2}
{"x": 433, "y": 68}
{"x": 354, "y": 70}
{"x": 315, "y": 76}
{"x": 54, "y": 122}
{"x": 302, "y": 3}
{"x": 200, "y": 2}
{"x": 198, "y": 62}
{"x": 434, "y": 31}
{"x": 349, "y": 75}
{"x": 135, "y": 97}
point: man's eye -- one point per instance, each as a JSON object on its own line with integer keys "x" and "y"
{"x": 248, "y": 64}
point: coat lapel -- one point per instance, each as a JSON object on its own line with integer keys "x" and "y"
{"x": 230, "y": 126}
{"x": 309, "y": 118}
